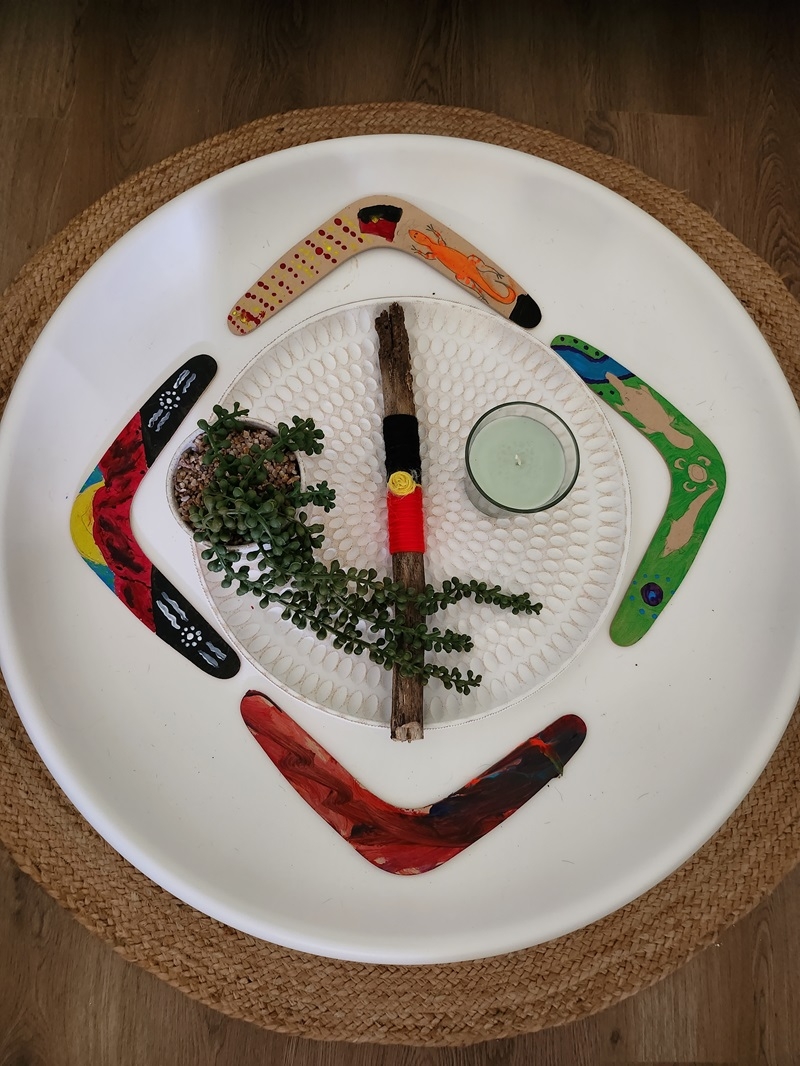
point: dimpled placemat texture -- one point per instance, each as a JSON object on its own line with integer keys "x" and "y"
{"x": 457, "y": 1003}
{"x": 465, "y": 360}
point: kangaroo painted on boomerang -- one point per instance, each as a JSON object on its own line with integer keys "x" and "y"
{"x": 697, "y": 483}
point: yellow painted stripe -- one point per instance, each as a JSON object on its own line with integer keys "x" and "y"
{"x": 81, "y": 525}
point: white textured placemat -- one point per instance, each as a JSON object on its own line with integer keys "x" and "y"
{"x": 465, "y": 360}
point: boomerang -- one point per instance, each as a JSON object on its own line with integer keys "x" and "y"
{"x": 100, "y": 524}
{"x": 402, "y": 840}
{"x": 380, "y": 222}
{"x": 697, "y": 483}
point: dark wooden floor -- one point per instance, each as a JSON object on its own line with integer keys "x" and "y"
{"x": 704, "y": 97}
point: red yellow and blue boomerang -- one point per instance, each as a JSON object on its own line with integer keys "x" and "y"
{"x": 101, "y": 524}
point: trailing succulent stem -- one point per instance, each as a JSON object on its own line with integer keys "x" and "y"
{"x": 361, "y": 611}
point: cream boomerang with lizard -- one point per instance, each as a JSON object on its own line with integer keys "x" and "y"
{"x": 380, "y": 222}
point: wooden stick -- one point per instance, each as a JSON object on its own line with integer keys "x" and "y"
{"x": 408, "y": 568}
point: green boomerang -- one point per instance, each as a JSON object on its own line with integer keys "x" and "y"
{"x": 697, "y": 475}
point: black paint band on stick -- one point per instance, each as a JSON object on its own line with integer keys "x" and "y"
{"x": 401, "y": 438}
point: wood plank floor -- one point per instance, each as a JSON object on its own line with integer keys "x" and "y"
{"x": 704, "y": 97}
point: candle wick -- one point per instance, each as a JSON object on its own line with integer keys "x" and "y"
{"x": 517, "y": 460}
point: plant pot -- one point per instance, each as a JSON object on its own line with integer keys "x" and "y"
{"x": 176, "y": 496}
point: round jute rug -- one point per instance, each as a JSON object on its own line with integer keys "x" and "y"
{"x": 295, "y": 993}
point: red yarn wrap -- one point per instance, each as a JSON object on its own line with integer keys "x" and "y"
{"x": 405, "y": 522}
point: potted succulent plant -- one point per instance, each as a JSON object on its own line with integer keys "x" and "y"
{"x": 233, "y": 473}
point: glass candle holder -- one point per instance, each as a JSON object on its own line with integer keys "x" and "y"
{"x": 520, "y": 458}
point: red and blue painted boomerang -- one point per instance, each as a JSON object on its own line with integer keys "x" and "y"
{"x": 397, "y": 839}
{"x": 102, "y": 533}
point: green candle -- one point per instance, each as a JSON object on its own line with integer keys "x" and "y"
{"x": 520, "y": 457}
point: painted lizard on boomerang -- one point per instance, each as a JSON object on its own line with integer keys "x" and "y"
{"x": 467, "y": 269}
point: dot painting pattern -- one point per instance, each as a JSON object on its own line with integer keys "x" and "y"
{"x": 302, "y": 265}
{"x": 368, "y": 224}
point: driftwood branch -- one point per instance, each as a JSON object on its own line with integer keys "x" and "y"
{"x": 408, "y": 568}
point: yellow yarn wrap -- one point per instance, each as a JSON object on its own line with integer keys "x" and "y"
{"x": 401, "y": 483}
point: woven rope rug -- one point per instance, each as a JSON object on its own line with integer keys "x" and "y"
{"x": 295, "y": 993}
